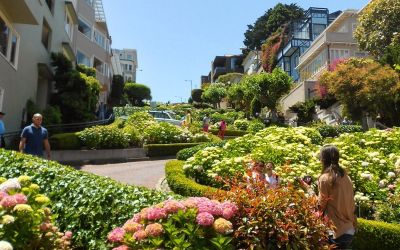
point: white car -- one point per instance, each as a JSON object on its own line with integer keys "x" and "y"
{"x": 165, "y": 116}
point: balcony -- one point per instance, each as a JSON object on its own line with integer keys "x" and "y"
{"x": 219, "y": 71}
{"x": 292, "y": 46}
{"x": 18, "y": 11}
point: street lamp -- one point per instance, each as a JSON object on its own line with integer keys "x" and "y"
{"x": 191, "y": 85}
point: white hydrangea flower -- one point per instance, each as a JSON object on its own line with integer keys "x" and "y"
{"x": 5, "y": 245}
{"x": 10, "y": 184}
{"x": 382, "y": 183}
{"x": 391, "y": 175}
{"x": 364, "y": 164}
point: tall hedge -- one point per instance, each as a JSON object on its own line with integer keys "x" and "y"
{"x": 88, "y": 205}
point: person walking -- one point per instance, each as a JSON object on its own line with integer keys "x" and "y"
{"x": 188, "y": 118}
{"x": 336, "y": 198}
{"x": 2, "y": 131}
{"x": 34, "y": 137}
{"x": 222, "y": 129}
{"x": 206, "y": 122}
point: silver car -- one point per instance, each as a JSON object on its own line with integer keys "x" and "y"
{"x": 165, "y": 116}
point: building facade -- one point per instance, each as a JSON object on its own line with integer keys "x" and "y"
{"x": 125, "y": 63}
{"x": 30, "y": 32}
{"x": 301, "y": 34}
{"x": 335, "y": 43}
{"x": 222, "y": 65}
{"x": 252, "y": 63}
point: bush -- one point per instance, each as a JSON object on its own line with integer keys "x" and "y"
{"x": 155, "y": 150}
{"x": 180, "y": 184}
{"x": 195, "y": 223}
{"x": 52, "y": 115}
{"x": 86, "y": 204}
{"x": 163, "y": 133}
{"x": 66, "y": 141}
{"x": 230, "y": 132}
{"x": 241, "y": 124}
{"x": 27, "y": 222}
{"x": 377, "y": 235}
{"x": 128, "y": 110}
{"x": 140, "y": 120}
{"x": 186, "y": 153}
{"x": 104, "y": 137}
{"x": 389, "y": 210}
{"x": 255, "y": 126}
{"x": 335, "y": 131}
{"x": 135, "y": 138}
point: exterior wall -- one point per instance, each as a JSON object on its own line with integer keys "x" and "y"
{"x": 300, "y": 93}
{"x": 27, "y": 80}
{"x": 92, "y": 50}
{"x": 252, "y": 62}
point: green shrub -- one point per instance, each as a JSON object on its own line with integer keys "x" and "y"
{"x": 65, "y": 141}
{"x": 88, "y": 205}
{"x": 182, "y": 185}
{"x": 389, "y": 210}
{"x": 186, "y": 153}
{"x": 255, "y": 126}
{"x": 135, "y": 138}
{"x": 241, "y": 124}
{"x": 335, "y": 131}
{"x": 229, "y": 132}
{"x": 140, "y": 120}
{"x": 154, "y": 150}
{"x": 163, "y": 133}
{"x": 377, "y": 235}
{"x": 128, "y": 110}
{"x": 103, "y": 137}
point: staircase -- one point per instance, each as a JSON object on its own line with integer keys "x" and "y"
{"x": 331, "y": 115}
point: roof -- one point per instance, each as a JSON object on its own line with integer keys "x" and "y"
{"x": 99, "y": 11}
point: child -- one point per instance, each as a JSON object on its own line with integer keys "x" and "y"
{"x": 222, "y": 128}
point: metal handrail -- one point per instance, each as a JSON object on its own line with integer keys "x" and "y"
{"x": 70, "y": 127}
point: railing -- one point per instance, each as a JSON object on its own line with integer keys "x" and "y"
{"x": 71, "y": 127}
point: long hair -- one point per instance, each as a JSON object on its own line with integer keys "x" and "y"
{"x": 329, "y": 156}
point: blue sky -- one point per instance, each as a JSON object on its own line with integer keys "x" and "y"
{"x": 176, "y": 40}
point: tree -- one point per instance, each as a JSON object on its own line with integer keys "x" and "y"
{"x": 214, "y": 94}
{"x": 117, "y": 90}
{"x": 269, "y": 88}
{"x": 196, "y": 95}
{"x": 137, "y": 92}
{"x": 77, "y": 90}
{"x": 363, "y": 85}
{"x": 229, "y": 78}
{"x": 379, "y": 26}
{"x": 268, "y": 23}
{"x": 305, "y": 111}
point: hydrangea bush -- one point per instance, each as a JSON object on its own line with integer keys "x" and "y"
{"x": 194, "y": 223}
{"x": 372, "y": 159}
{"x": 26, "y": 221}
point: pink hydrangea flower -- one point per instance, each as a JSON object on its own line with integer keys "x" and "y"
{"x": 205, "y": 219}
{"x": 3, "y": 194}
{"x": 391, "y": 186}
{"x": 45, "y": 226}
{"x": 140, "y": 235}
{"x": 20, "y": 198}
{"x": 154, "y": 230}
{"x": 156, "y": 213}
{"x": 8, "y": 202}
{"x": 123, "y": 247}
{"x": 131, "y": 226}
{"x": 173, "y": 206}
{"x": 223, "y": 226}
{"x": 137, "y": 218}
{"x": 228, "y": 213}
{"x": 211, "y": 207}
{"x": 231, "y": 205}
{"x": 116, "y": 235}
{"x": 68, "y": 234}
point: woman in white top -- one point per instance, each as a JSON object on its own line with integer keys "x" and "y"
{"x": 270, "y": 176}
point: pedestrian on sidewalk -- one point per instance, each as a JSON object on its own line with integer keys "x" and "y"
{"x": 336, "y": 198}
{"x": 2, "y": 131}
{"x": 34, "y": 137}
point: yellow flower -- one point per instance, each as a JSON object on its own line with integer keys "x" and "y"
{"x": 7, "y": 219}
{"x": 42, "y": 199}
{"x": 24, "y": 180}
{"x": 23, "y": 208}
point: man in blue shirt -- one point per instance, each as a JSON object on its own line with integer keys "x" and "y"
{"x": 34, "y": 137}
{"x": 2, "y": 131}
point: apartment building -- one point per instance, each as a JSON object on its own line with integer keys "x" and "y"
{"x": 301, "y": 34}
{"x": 30, "y": 32}
{"x": 93, "y": 43}
{"x": 125, "y": 63}
{"x": 252, "y": 63}
{"x": 222, "y": 65}
{"x": 336, "y": 42}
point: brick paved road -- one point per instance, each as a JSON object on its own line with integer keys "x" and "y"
{"x": 140, "y": 173}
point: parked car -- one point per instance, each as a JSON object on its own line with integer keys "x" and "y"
{"x": 165, "y": 116}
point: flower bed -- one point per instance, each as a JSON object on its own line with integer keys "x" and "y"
{"x": 372, "y": 159}
{"x": 86, "y": 204}
{"x": 194, "y": 223}
{"x": 26, "y": 221}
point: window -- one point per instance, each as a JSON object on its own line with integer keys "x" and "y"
{"x": 130, "y": 67}
{"x": 82, "y": 59}
{"x": 343, "y": 29}
{"x": 46, "y": 34}
{"x": 49, "y": 4}
{"x": 99, "y": 66}
{"x": 68, "y": 25}
{"x": 318, "y": 29}
{"x": 9, "y": 41}
{"x": 4, "y": 36}
{"x": 100, "y": 39}
{"x": 129, "y": 57}
{"x": 339, "y": 54}
{"x": 85, "y": 28}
